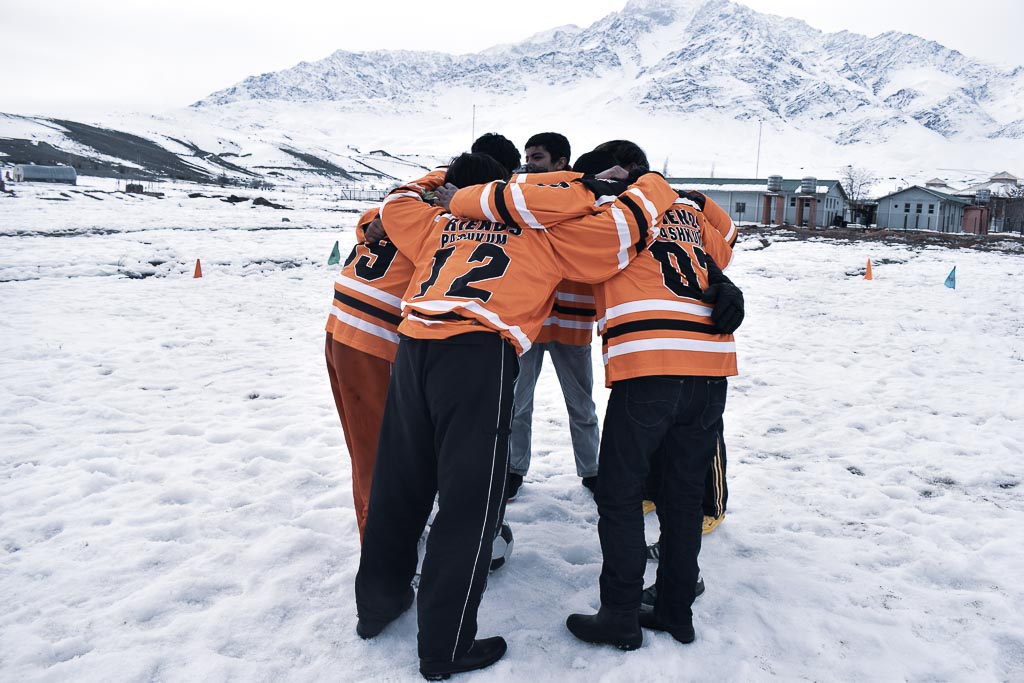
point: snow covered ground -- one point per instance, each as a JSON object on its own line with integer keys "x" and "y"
{"x": 175, "y": 498}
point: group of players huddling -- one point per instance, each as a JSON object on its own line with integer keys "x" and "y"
{"x": 459, "y": 282}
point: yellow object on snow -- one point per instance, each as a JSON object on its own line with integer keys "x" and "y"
{"x": 711, "y": 523}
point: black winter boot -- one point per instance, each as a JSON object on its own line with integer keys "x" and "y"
{"x": 621, "y": 629}
{"x": 481, "y": 654}
{"x": 684, "y": 634}
{"x": 369, "y": 628}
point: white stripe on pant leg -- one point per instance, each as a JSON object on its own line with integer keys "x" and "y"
{"x": 719, "y": 476}
{"x": 487, "y": 507}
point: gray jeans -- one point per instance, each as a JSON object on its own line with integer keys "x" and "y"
{"x": 575, "y": 369}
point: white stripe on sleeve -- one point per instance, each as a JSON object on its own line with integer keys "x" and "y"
{"x": 520, "y": 203}
{"x": 625, "y": 242}
{"x": 488, "y": 190}
{"x": 648, "y": 205}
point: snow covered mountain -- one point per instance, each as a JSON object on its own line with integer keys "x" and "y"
{"x": 683, "y": 57}
{"x": 707, "y": 87}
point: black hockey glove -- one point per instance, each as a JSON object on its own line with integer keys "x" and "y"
{"x": 728, "y": 311}
{"x": 602, "y": 188}
{"x": 727, "y": 314}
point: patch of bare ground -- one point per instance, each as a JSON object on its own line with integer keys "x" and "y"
{"x": 1011, "y": 243}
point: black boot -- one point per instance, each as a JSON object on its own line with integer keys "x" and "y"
{"x": 684, "y": 633}
{"x": 481, "y": 654}
{"x": 621, "y": 629}
{"x": 368, "y": 628}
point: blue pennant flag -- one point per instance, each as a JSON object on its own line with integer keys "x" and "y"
{"x": 951, "y": 279}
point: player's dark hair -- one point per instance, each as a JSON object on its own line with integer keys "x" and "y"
{"x": 474, "y": 169}
{"x": 592, "y": 163}
{"x": 556, "y": 144}
{"x": 625, "y": 152}
{"x": 499, "y": 147}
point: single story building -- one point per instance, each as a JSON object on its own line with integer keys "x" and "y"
{"x": 921, "y": 208}
{"x": 45, "y": 174}
{"x": 774, "y": 200}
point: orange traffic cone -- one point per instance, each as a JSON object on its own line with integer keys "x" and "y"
{"x": 199, "y": 270}
{"x": 867, "y": 275}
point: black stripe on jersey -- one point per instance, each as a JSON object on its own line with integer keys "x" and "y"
{"x": 696, "y": 197}
{"x": 571, "y": 310}
{"x": 369, "y": 309}
{"x": 499, "y": 204}
{"x": 450, "y": 315}
{"x": 641, "y": 222}
{"x": 658, "y": 324}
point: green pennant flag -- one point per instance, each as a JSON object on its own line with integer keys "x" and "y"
{"x": 335, "y": 255}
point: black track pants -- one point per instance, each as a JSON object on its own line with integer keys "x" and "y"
{"x": 445, "y": 431}
{"x": 716, "y": 489}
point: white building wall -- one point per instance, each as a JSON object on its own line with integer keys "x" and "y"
{"x": 830, "y": 205}
{"x": 916, "y": 209}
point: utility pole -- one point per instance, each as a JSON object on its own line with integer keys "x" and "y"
{"x": 757, "y": 164}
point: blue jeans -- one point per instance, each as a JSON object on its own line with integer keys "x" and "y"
{"x": 575, "y": 369}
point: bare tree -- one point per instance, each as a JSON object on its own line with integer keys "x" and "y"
{"x": 857, "y": 182}
{"x": 1013, "y": 210}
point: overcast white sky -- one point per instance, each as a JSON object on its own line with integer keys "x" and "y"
{"x": 67, "y": 56}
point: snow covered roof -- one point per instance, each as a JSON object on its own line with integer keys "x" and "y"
{"x": 944, "y": 196}
{"x": 34, "y": 172}
{"x": 745, "y": 185}
{"x": 999, "y": 188}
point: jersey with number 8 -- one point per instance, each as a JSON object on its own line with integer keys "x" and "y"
{"x": 651, "y": 317}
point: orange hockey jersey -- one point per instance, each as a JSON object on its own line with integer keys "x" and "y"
{"x": 652, "y": 321}
{"x": 572, "y": 317}
{"x": 479, "y": 273}
{"x": 716, "y": 215}
{"x": 367, "y": 303}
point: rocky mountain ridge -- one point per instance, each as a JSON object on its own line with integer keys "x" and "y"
{"x": 685, "y": 56}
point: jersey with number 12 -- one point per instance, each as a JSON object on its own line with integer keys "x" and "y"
{"x": 474, "y": 274}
